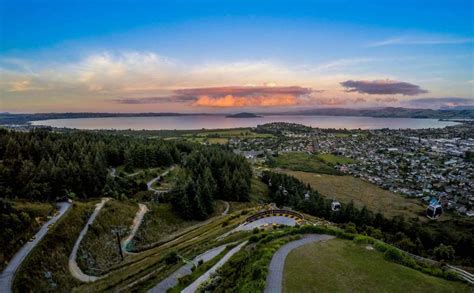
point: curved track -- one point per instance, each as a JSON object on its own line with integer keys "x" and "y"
{"x": 6, "y": 278}
{"x": 74, "y": 269}
{"x": 142, "y": 209}
{"x": 277, "y": 265}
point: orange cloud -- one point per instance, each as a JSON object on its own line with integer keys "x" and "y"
{"x": 253, "y": 101}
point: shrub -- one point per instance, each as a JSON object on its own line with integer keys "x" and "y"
{"x": 171, "y": 258}
{"x": 394, "y": 255}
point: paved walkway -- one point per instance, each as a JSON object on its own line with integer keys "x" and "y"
{"x": 279, "y": 220}
{"x": 76, "y": 272}
{"x": 277, "y": 265}
{"x": 142, "y": 209}
{"x": 172, "y": 280}
{"x": 8, "y": 274}
{"x": 204, "y": 277}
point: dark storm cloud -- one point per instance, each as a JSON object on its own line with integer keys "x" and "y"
{"x": 382, "y": 87}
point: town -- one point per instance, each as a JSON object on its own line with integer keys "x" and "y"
{"x": 426, "y": 163}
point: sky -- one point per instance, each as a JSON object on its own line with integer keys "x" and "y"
{"x": 230, "y": 56}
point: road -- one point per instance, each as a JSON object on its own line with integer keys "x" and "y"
{"x": 150, "y": 183}
{"x": 6, "y": 278}
{"x": 142, "y": 209}
{"x": 279, "y": 220}
{"x": 204, "y": 277}
{"x": 277, "y": 265}
{"x": 172, "y": 280}
{"x": 74, "y": 269}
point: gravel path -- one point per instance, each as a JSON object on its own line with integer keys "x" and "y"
{"x": 150, "y": 183}
{"x": 227, "y": 207}
{"x": 204, "y": 277}
{"x": 6, "y": 278}
{"x": 275, "y": 270}
{"x": 172, "y": 280}
{"x": 76, "y": 272}
{"x": 142, "y": 209}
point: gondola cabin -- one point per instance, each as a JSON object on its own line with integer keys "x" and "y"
{"x": 434, "y": 210}
{"x": 335, "y": 206}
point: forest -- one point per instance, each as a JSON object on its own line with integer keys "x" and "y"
{"x": 42, "y": 165}
{"x": 426, "y": 239}
{"x": 210, "y": 173}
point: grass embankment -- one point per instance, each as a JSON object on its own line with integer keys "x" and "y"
{"x": 146, "y": 269}
{"x": 160, "y": 222}
{"x": 19, "y": 224}
{"x": 347, "y": 188}
{"x": 99, "y": 249}
{"x": 344, "y": 266}
{"x": 46, "y": 268}
{"x": 298, "y": 161}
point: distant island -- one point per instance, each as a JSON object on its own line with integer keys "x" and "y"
{"x": 243, "y": 115}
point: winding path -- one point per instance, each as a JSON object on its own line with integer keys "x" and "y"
{"x": 74, "y": 269}
{"x": 142, "y": 209}
{"x": 277, "y": 265}
{"x": 227, "y": 207}
{"x": 172, "y": 280}
{"x": 8, "y": 274}
{"x": 150, "y": 183}
{"x": 204, "y": 277}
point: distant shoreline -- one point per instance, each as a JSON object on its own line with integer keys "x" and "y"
{"x": 450, "y": 115}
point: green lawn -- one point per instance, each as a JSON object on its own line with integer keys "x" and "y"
{"x": 343, "y": 266}
{"x": 347, "y": 188}
{"x": 331, "y": 159}
{"x": 298, "y": 161}
{"x": 99, "y": 250}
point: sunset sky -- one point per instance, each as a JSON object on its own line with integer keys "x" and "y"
{"x": 228, "y": 56}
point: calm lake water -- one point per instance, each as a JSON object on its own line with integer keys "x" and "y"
{"x": 219, "y": 122}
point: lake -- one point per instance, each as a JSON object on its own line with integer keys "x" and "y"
{"x": 220, "y": 122}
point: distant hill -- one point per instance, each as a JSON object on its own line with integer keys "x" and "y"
{"x": 389, "y": 112}
{"x": 243, "y": 115}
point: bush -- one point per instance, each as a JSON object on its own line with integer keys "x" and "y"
{"x": 361, "y": 239}
{"x": 394, "y": 255}
{"x": 171, "y": 258}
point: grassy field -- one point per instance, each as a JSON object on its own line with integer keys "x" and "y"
{"x": 343, "y": 266}
{"x": 347, "y": 188}
{"x": 99, "y": 251}
{"x": 46, "y": 268}
{"x": 332, "y": 160}
{"x": 259, "y": 191}
{"x": 298, "y": 161}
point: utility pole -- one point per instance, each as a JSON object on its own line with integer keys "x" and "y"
{"x": 119, "y": 243}
{"x": 118, "y": 230}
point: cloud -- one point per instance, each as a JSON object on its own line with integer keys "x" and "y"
{"x": 421, "y": 41}
{"x": 230, "y": 96}
{"x": 442, "y": 102}
{"x": 382, "y": 87}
